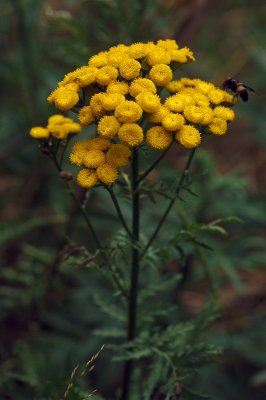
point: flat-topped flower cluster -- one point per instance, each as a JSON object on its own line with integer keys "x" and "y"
{"x": 119, "y": 90}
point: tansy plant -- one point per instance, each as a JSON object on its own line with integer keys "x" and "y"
{"x": 130, "y": 96}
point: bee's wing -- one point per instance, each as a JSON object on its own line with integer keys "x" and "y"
{"x": 250, "y": 89}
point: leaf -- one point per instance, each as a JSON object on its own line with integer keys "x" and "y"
{"x": 194, "y": 394}
{"x": 133, "y": 355}
{"x": 165, "y": 282}
{"x": 110, "y": 332}
{"x": 153, "y": 379}
{"x": 110, "y": 308}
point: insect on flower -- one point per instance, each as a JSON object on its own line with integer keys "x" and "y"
{"x": 239, "y": 88}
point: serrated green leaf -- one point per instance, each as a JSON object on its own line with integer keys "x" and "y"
{"x": 110, "y": 308}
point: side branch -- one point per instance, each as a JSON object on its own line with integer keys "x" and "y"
{"x": 171, "y": 203}
{"x": 118, "y": 210}
{"x": 154, "y": 164}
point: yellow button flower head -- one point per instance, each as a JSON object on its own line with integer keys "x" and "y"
{"x": 38, "y": 132}
{"x": 61, "y": 131}
{"x": 188, "y": 53}
{"x": 200, "y": 99}
{"x": 76, "y": 157}
{"x": 218, "y": 126}
{"x": 188, "y": 136}
{"x": 65, "y": 99}
{"x": 108, "y": 127}
{"x": 216, "y": 95}
{"x": 224, "y": 113}
{"x": 115, "y": 58}
{"x": 107, "y": 174}
{"x": 207, "y": 115}
{"x": 149, "y": 102}
{"x": 228, "y": 98}
{"x": 131, "y": 134}
{"x": 60, "y": 126}
{"x": 158, "y": 116}
{"x": 177, "y": 56}
{"x": 86, "y": 76}
{"x": 194, "y": 114}
{"x": 167, "y": 44}
{"x": 69, "y": 77}
{"x": 189, "y": 82}
{"x": 174, "y": 86}
{"x": 106, "y": 75}
{"x": 118, "y": 155}
{"x": 80, "y": 146}
{"x": 150, "y": 47}
{"x": 93, "y": 158}
{"x": 73, "y": 86}
{"x": 51, "y": 97}
{"x": 204, "y": 87}
{"x": 119, "y": 49}
{"x": 173, "y": 122}
{"x": 178, "y": 102}
{"x": 181, "y": 56}
{"x": 158, "y": 55}
{"x": 99, "y": 60}
{"x": 96, "y": 105}
{"x": 112, "y": 100}
{"x": 97, "y": 143}
{"x": 72, "y": 127}
{"x": 57, "y": 119}
{"x": 87, "y": 178}
{"x": 85, "y": 116}
{"x": 138, "y": 50}
{"x": 141, "y": 85}
{"x": 129, "y": 69}
{"x": 128, "y": 112}
{"x": 118, "y": 87}
{"x": 158, "y": 138}
{"x": 161, "y": 74}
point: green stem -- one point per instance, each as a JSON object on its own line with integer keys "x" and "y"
{"x": 81, "y": 209}
{"x": 168, "y": 359}
{"x": 154, "y": 164}
{"x": 118, "y": 209}
{"x": 92, "y": 231}
{"x": 63, "y": 151}
{"x": 132, "y": 305}
{"x": 171, "y": 203}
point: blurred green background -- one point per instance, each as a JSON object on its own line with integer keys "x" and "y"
{"x": 47, "y": 314}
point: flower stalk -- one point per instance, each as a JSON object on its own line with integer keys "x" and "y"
{"x": 132, "y": 303}
{"x": 172, "y": 201}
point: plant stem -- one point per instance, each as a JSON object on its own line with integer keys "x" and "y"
{"x": 132, "y": 305}
{"x": 81, "y": 209}
{"x": 92, "y": 231}
{"x": 172, "y": 201}
{"x": 154, "y": 164}
{"x": 118, "y": 209}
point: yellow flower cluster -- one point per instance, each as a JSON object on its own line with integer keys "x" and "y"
{"x": 101, "y": 158}
{"x": 119, "y": 89}
{"x": 58, "y": 126}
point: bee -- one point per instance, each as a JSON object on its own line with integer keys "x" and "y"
{"x": 238, "y": 88}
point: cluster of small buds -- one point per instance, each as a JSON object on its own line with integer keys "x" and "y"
{"x": 58, "y": 126}
{"x": 120, "y": 88}
{"x": 101, "y": 158}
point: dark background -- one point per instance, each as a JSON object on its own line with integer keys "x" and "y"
{"x": 46, "y": 310}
